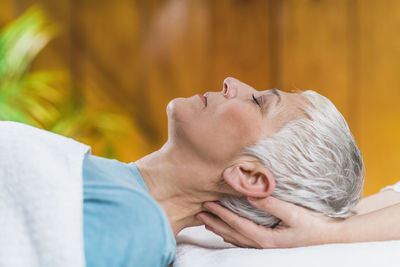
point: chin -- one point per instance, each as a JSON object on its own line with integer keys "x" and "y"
{"x": 177, "y": 109}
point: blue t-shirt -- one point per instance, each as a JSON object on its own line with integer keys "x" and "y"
{"x": 123, "y": 225}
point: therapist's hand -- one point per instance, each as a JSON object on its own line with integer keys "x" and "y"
{"x": 299, "y": 226}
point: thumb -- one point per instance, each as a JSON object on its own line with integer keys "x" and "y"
{"x": 285, "y": 211}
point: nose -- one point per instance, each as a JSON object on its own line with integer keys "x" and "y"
{"x": 229, "y": 88}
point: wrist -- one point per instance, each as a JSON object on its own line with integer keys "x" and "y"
{"x": 337, "y": 230}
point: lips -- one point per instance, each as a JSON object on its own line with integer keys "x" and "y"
{"x": 206, "y": 96}
{"x": 203, "y": 98}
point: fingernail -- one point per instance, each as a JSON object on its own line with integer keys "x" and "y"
{"x": 205, "y": 205}
{"x": 252, "y": 199}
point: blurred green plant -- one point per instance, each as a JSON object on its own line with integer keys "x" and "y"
{"x": 41, "y": 98}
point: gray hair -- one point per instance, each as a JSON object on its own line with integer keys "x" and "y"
{"x": 315, "y": 162}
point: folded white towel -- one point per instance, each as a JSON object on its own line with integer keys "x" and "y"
{"x": 40, "y": 198}
{"x": 395, "y": 187}
{"x": 198, "y": 247}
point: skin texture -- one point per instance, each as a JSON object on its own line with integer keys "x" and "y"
{"x": 377, "y": 220}
{"x": 199, "y": 162}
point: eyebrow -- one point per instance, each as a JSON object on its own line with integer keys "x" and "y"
{"x": 275, "y": 92}
{"x": 271, "y": 91}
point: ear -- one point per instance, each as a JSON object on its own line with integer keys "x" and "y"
{"x": 250, "y": 178}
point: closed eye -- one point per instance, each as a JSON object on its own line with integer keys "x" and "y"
{"x": 255, "y": 100}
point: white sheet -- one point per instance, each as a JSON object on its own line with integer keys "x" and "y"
{"x": 40, "y": 198}
{"x": 198, "y": 247}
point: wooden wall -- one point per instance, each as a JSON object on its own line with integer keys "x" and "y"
{"x": 137, "y": 55}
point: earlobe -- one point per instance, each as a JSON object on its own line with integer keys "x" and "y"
{"x": 250, "y": 179}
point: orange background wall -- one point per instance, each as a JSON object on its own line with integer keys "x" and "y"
{"x": 135, "y": 56}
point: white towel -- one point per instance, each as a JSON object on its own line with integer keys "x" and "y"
{"x": 40, "y": 198}
{"x": 198, "y": 247}
{"x": 395, "y": 187}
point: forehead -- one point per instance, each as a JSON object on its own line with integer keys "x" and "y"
{"x": 294, "y": 99}
{"x": 292, "y": 106}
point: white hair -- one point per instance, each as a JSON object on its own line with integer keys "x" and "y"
{"x": 315, "y": 162}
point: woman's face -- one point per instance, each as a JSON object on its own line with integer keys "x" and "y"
{"x": 217, "y": 129}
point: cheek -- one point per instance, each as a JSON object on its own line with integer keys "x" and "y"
{"x": 239, "y": 122}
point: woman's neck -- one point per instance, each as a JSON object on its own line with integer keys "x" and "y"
{"x": 180, "y": 183}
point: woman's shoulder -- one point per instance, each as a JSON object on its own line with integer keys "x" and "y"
{"x": 109, "y": 181}
{"x": 119, "y": 208}
{"x": 102, "y": 176}
{"x": 127, "y": 231}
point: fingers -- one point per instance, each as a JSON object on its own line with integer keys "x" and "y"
{"x": 229, "y": 235}
{"x": 228, "y": 239}
{"x": 287, "y": 212}
{"x": 232, "y": 219}
{"x": 236, "y": 223}
{"x": 293, "y": 231}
